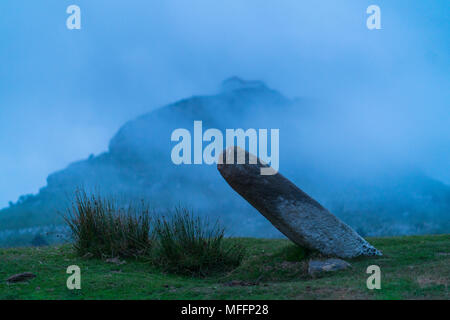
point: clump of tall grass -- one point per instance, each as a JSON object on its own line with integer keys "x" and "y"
{"x": 180, "y": 243}
{"x": 103, "y": 229}
{"x": 188, "y": 244}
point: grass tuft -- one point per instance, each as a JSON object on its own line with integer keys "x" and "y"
{"x": 182, "y": 243}
{"x": 102, "y": 229}
{"x": 187, "y": 244}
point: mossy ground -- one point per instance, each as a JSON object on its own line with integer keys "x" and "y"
{"x": 414, "y": 267}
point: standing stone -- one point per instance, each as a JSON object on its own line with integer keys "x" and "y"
{"x": 299, "y": 217}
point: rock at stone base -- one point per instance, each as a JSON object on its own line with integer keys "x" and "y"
{"x": 21, "y": 277}
{"x": 316, "y": 267}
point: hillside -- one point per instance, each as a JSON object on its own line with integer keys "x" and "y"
{"x": 375, "y": 200}
{"x": 414, "y": 267}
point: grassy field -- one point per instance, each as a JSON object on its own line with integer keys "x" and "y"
{"x": 415, "y": 267}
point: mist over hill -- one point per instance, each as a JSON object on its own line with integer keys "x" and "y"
{"x": 356, "y": 180}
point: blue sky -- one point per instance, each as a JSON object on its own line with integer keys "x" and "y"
{"x": 64, "y": 93}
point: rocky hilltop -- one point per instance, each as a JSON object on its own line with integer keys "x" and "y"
{"x": 138, "y": 165}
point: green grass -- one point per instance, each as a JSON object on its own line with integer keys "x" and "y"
{"x": 189, "y": 245}
{"x": 416, "y": 267}
{"x": 103, "y": 229}
{"x": 181, "y": 243}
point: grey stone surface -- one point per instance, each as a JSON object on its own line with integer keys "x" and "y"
{"x": 319, "y": 266}
{"x": 301, "y": 218}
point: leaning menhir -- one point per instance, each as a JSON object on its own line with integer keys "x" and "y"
{"x": 302, "y": 219}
